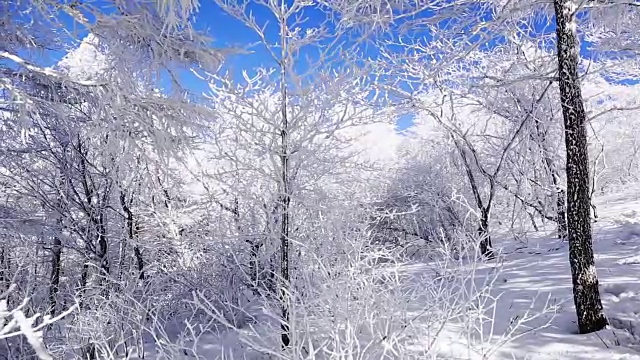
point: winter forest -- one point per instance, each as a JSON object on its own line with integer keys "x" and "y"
{"x": 319, "y": 179}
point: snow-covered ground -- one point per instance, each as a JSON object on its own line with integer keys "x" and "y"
{"x": 543, "y": 268}
{"x": 539, "y": 274}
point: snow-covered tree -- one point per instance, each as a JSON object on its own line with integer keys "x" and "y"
{"x": 355, "y": 194}
{"x": 585, "y": 280}
{"x": 282, "y": 126}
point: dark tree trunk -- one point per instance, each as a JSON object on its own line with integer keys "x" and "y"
{"x": 585, "y": 280}
{"x": 285, "y": 178}
{"x": 4, "y": 270}
{"x": 89, "y": 351}
{"x": 102, "y": 251}
{"x": 139, "y": 262}
{"x": 284, "y": 273}
{"x": 561, "y": 197}
{"x": 254, "y": 265}
{"x": 132, "y": 233}
{"x": 285, "y": 201}
{"x": 84, "y": 278}
{"x": 95, "y": 210}
{"x": 54, "y": 281}
{"x": 532, "y": 218}
{"x": 595, "y": 211}
{"x": 486, "y": 247}
{"x": 561, "y": 214}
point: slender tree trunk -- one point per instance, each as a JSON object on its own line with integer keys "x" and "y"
{"x": 561, "y": 213}
{"x": 96, "y": 213}
{"x": 254, "y": 246}
{"x": 122, "y": 262}
{"x": 84, "y": 278}
{"x": 486, "y": 247}
{"x": 56, "y": 246}
{"x": 139, "y": 262}
{"x": 561, "y": 199}
{"x": 102, "y": 250}
{"x": 132, "y": 234}
{"x": 4, "y": 270}
{"x": 285, "y": 197}
{"x": 594, "y": 179}
{"x": 89, "y": 352}
{"x": 585, "y": 279}
{"x": 285, "y": 201}
{"x": 532, "y": 218}
{"x": 56, "y": 263}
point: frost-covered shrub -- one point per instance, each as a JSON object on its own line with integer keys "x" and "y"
{"x": 423, "y": 206}
{"x": 15, "y": 323}
{"x": 369, "y": 300}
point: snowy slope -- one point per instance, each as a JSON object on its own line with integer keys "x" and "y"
{"x": 533, "y": 280}
{"x": 544, "y": 268}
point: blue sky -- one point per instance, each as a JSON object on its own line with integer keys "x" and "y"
{"x": 227, "y": 31}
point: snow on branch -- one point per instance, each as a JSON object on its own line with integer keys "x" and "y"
{"x": 47, "y": 71}
{"x": 14, "y": 323}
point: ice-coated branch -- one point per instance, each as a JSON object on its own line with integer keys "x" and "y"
{"x": 15, "y": 323}
{"x": 47, "y": 71}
